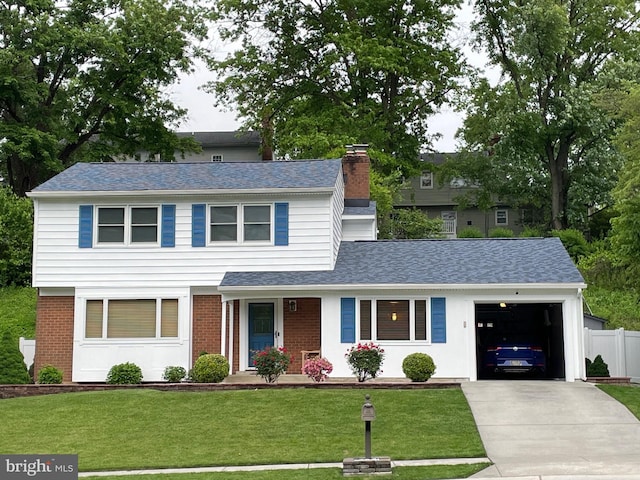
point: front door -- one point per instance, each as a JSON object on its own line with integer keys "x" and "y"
{"x": 261, "y": 328}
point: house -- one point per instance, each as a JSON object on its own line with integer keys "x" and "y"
{"x": 233, "y": 146}
{"x": 442, "y": 200}
{"x": 154, "y": 263}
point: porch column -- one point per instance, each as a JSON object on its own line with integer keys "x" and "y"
{"x": 223, "y": 331}
{"x": 232, "y": 316}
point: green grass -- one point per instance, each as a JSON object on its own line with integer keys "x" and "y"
{"x": 404, "y": 473}
{"x": 151, "y": 429}
{"x": 18, "y": 311}
{"x": 628, "y": 395}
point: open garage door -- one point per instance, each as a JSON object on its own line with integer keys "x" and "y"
{"x": 519, "y": 340}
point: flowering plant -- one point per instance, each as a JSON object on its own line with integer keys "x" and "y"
{"x": 365, "y": 360}
{"x": 317, "y": 368}
{"x": 271, "y": 363}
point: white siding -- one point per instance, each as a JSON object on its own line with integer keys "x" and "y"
{"x": 457, "y": 357}
{"x": 58, "y": 262}
{"x": 93, "y": 358}
{"x": 358, "y": 228}
{"x": 337, "y": 207}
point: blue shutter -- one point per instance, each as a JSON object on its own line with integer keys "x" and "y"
{"x": 282, "y": 224}
{"x": 85, "y": 228}
{"x": 347, "y": 320}
{"x": 198, "y": 225}
{"x": 168, "y": 235}
{"x": 438, "y": 320}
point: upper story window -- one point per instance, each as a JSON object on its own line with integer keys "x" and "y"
{"x": 127, "y": 225}
{"x": 250, "y": 223}
{"x": 426, "y": 180}
{"x": 502, "y": 217}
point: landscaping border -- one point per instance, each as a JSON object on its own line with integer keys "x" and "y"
{"x": 30, "y": 390}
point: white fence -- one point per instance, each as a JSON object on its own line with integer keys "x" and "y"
{"x": 619, "y": 349}
{"x": 28, "y": 349}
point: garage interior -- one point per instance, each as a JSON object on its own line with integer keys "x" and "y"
{"x": 535, "y": 324}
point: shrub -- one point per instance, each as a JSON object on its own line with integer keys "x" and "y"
{"x": 12, "y": 367}
{"x": 365, "y": 360}
{"x": 49, "y": 375}
{"x": 597, "y": 368}
{"x": 530, "y": 232}
{"x": 124, "y": 374}
{"x": 317, "y": 368}
{"x": 574, "y": 241}
{"x": 271, "y": 363}
{"x": 174, "y": 374}
{"x": 418, "y": 367}
{"x": 470, "y": 232}
{"x": 500, "y": 232}
{"x": 210, "y": 368}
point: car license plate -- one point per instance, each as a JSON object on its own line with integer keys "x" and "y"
{"x": 514, "y": 363}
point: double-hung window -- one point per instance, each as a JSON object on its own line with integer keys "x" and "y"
{"x": 127, "y": 225}
{"x": 240, "y": 223}
{"x": 136, "y": 318}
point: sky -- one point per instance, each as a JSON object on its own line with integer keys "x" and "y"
{"x": 203, "y": 116}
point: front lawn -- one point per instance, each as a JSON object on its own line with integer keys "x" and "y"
{"x": 143, "y": 428}
{"x": 628, "y": 395}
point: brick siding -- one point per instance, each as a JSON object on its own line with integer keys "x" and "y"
{"x": 54, "y": 334}
{"x": 355, "y": 167}
{"x": 301, "y": 329}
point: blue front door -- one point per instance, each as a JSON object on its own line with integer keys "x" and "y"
{"x": 261, "y": 329}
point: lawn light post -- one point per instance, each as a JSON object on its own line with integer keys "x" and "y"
{"x": 367, "y": 465}
{"x": 368, "y": 415}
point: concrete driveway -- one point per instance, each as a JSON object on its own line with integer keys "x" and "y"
{"x": 536, "y": 428}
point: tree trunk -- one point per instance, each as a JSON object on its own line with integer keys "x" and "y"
{"x": 559, "y": 174}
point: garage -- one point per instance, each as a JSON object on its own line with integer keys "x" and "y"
{"x": 519, "y": 340}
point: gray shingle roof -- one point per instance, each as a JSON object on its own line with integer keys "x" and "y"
{"x": 109, "y": 177}
{"x": 432, "y": 262}
{"x": 369, "y": 210}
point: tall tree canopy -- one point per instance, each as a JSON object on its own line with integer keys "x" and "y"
{"x": 84, "y": 79}
{"x": 626, "y": 226}
{"x": 318, "y": 74}
{"x": 549, "y": 141}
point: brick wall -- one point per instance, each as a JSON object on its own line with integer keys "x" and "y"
{"x": 207, "y": 322}
{"x": 301, "y": 329}
{"x": 54, "y": 334}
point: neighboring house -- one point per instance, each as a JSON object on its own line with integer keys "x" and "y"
{"x": 222, "y": 147}
{"x": 441, "y": 201}
{"x": 594, "y": 323}
{"x": 154, "y": 263}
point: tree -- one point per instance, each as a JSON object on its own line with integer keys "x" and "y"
{"x": 84, "y": 79}
{"x": 16, "y": 239}
{"x": 409, "y": 223}
{"x": 12, "y": 367}
{"x": 316, "y": 75}
{"x": 549, "y": 141}
{"x": 625, "y": 236}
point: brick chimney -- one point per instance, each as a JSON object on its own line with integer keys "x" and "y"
{"x": 355, "y": 172}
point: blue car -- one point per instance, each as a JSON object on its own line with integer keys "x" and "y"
{"x": 515, "y": 357}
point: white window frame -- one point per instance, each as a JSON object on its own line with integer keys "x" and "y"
{"x": 128, "y": 227}
{"x": 412, "y": 319}
{"x": 105, "y": 317}
{"x": 426, "y": 180}
{"x": 217, "y": 157}
{"x": 506, "y": 217}
{"x": 240, "y": 224}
